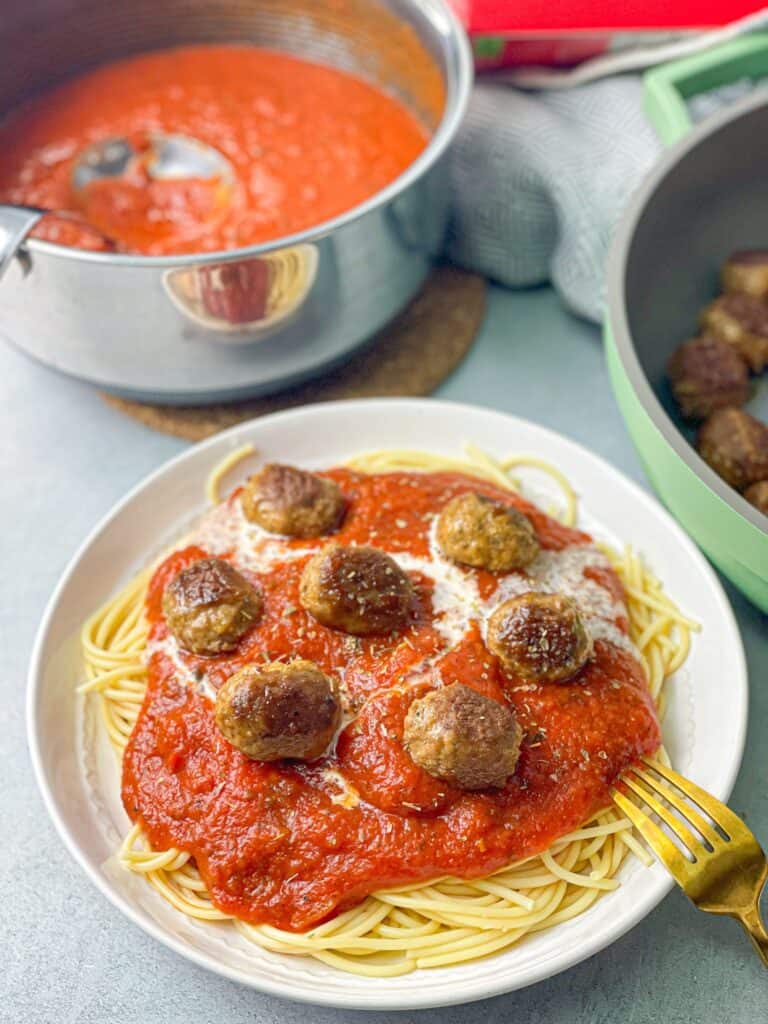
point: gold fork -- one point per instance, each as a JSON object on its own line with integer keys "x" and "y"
{"x": 725, "y": 869}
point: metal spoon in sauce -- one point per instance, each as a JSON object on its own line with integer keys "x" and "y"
{"x": 165, "y": 157}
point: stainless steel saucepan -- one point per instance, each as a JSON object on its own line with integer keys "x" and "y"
{"x": 186, "y": 328}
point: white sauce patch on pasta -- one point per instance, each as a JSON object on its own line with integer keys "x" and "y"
{"x": 456, "y": 600}
{"x": 342, "y": 791}
{"x": 192, "y": 678}
{"x": 225, "y": 530}
{"x": 455, "y": 597}
{"x": 457, "y": 603}
{"x": 563, "y": 572}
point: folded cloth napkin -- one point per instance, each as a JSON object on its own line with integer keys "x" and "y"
{"x": 540, "y": 179}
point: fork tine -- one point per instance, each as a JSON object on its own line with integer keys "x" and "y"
{"x": 723, "y": 816}
{"x": 702, "y": 826}
{"x": 661, "y": 844}
{"x": 683, "y": 833}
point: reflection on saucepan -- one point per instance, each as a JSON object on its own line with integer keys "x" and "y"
{"x": 253, "y": 295}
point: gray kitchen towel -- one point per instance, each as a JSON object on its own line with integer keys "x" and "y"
{"x": 540, "y": 179}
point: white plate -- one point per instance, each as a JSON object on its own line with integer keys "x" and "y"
{"x": 704, "y": 729}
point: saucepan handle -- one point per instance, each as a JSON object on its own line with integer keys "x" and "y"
{"x": 667, "y": 89}
{"x": 15, "y": 224}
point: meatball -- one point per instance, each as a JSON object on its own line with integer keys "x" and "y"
{"x": 209, "y": 606}
{"x": 540, "y": 637}
{"x": 747, "y": 272}
{"x": 486, "y": 534}
{"x": 735, "y": 445}
{"x": 741, "y": 321}
{"x": 462, "y": 737}
{"x": 360, "y": 590}
{"x": 707, "y": 374}
{"x": 292, "y": 502}
{"x": 757, "y": 494}
{"x": 276, "y": 710}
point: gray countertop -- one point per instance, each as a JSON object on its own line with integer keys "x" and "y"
{"x": 68, "y": 956}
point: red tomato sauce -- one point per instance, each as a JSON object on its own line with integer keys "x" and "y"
{"x": 271, "y": 841}
{"x": 305, "y": 142}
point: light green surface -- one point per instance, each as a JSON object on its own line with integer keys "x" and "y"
{"x": 737, "y": 548}
{"x": 668, "y": 88}
{"x": 70, "y": 958}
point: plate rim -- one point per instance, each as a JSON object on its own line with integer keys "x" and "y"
{"x": 431, "y": 996}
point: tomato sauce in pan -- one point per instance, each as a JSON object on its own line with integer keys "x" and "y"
{"x": 305, "y": 143}
{"x": 291, "y": 844}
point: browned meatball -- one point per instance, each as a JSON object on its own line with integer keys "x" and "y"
{"x": 486, "y": 534}
{"x": 735, "y": 445}
{"x": 757, "y": 494}
{"x": 290, "y": 501}
{"x": 540, "y": 637}
{"x": 209, "y": 606}
{"x": 360, "y": 590}
{"x": 276, "y": 710}
{"x": 707, "y": 374}
{"x": 462, "y": 737}
{"x": 747, "y": 272}
{"x": 741, "y": 321}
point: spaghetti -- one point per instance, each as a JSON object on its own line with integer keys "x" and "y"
{"x": 444, "y": 921}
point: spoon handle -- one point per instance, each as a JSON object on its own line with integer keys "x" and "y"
{"x": 15, "y": 224}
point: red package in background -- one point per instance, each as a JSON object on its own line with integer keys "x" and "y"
{"x": 563, "y": 33}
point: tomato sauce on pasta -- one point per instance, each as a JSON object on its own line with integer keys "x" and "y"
{"x": 291, "y": 845}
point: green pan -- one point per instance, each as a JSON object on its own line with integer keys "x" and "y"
{"x": 707, "y": 197}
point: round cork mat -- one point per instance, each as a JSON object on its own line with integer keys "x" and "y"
{"x": 410, "y": 356}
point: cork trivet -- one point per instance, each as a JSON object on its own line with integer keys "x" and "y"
{"x": 410, "y": 356}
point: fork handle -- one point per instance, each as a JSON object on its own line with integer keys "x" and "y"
{"x": 755, "y": 929}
